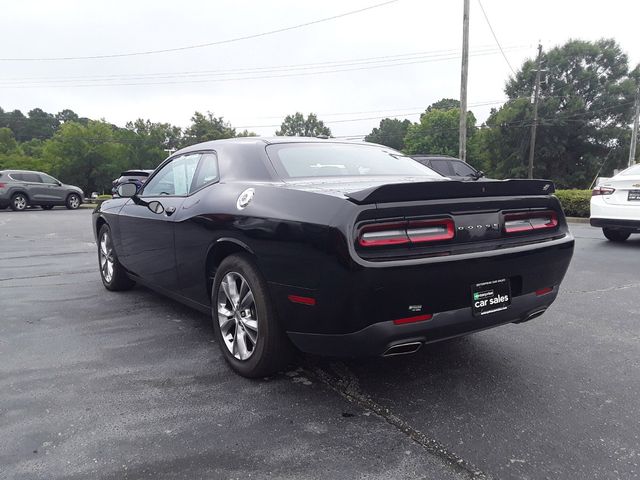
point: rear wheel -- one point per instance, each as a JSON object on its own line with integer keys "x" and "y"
{"x": 73, "y": 201}
{"x": 615, "y": 235}
{"x": 19, "y": 202}
{"x": 112, "y": 273}
{"x": 244, "y": 320}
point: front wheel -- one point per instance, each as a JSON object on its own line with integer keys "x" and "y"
{"x": 73, "y": 201}
{"x": 244, "y": 320}
{"x": 112, "y": 273}
{"x": 615, "y": 235}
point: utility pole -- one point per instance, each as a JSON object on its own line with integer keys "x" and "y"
{"x": 634, "y": 134}
{"x": 534, "y": 126}
{"x": 463, "y": 82}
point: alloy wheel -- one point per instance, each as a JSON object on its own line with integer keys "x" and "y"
{"x": 237, "y": 316}
{"x": 20, "y": 202}
{"x": 74, "y": 201}
{"x": 106, "y": 257}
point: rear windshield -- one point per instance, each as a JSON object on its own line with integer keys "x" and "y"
{"x": 301, "y": 160}
{"x": 634, "y": 170}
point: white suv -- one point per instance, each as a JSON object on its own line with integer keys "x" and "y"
{"x": 615, "y": 205}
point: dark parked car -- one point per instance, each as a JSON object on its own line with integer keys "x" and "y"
{"x": 130, "y": 176}
{"x": 20, "y": 189}
{"x": 336, "y": 248}
{"x": 453, "y": 168}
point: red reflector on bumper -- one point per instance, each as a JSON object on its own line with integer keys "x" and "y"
{"x": 544, "y": 291}
{"x": 302, "y": 300}
{"x": 417, "y": 318}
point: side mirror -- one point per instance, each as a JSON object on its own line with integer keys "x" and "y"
{"x": 127, "y": 190}
{"x": 155, "y": 207}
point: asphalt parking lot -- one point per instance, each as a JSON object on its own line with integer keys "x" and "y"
{"x": 95, "y": 384}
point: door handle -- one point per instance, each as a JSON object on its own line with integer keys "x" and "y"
{"x": 170, "y": 211}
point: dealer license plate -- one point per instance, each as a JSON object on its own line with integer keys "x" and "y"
{"x": 634, "y": 196}
{"x": 490, "y": 297}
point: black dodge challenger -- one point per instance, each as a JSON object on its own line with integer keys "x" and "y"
{"x": 336, "y": 248}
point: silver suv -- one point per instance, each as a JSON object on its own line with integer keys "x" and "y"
{"x": 22, "y": 188}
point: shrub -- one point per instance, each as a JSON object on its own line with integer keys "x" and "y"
{"x": 575, "y": 202}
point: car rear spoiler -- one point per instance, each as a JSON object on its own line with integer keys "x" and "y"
{"x": 406, "y": 192}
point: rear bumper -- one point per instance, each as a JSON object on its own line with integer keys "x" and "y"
{"x": 616, "y": 223}
{"x": 376, "y": 339}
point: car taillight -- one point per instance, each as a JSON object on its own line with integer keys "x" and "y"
{"x": 602, "y": 191}
{"x": 430, "y": 230}
{"x": 529, "y": 221}
{"x": 405, "y": 232}
{"x": 2, "y": 185}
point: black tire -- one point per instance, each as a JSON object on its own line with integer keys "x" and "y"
{"x": 615, "y": 235}
{"x": 19, "y": 202}
{"x": 73, "y": 201}
{"x": 47, "y": 207}
{"x": 272, "y": 350}
{"x": 118, "y": 280}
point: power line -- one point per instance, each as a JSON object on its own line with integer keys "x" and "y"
{"x": 203, "y": 45}
{"x": 495, "y": 37}
{"x": 267, "y": 75}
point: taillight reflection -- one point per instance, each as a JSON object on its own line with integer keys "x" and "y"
{"x": 528, "y": 221}
{"x": 602, "y": 191}
{"x": 406, "y": 232}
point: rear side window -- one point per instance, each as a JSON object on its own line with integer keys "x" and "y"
{"x": 207, "y": 171}
{"x": 299, "y": 160}
{"x": 443, "y": 167}
{"x": 31, "y": 177}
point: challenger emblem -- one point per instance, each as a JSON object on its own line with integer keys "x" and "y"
{"x": 546, "y": 187}
{"x": 415, "y": 308}
{"x": 245, "y": 198}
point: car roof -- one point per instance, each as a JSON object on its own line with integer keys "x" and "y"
{"x": 21, "y": 171}
{"x": 213, "y": 144}
{"x": 434, "y": 156}
{"x": 136, "y": 172}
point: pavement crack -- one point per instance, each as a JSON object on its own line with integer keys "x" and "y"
{"x": 346, "y": 384}
{"x": 47, "y": 275}
{"x": 608, "y": 289}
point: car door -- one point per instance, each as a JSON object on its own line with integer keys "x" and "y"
{"x": 52, "y": 189}
{"x": 146, "y": 238}
{"x": 35, "y": 189}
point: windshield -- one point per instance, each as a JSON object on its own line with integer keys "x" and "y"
{"x": 301, "y": 160}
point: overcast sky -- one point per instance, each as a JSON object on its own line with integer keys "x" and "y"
{"x": 254, "y": 83}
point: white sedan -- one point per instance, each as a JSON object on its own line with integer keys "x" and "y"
{"x": 615, "y": 205}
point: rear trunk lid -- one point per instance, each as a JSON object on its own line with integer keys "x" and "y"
{"x": 627, "y": 190}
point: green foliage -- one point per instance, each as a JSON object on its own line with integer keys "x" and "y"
{"x": 437, "y": 131}
{"x": 585, "y": 108}
{"x": 85, "y": 155}
{"x": 297, "y": 125}
{"x": 390, "y": 133}
{"x": 207, "y": 127}
{"x": 576, "y": 203}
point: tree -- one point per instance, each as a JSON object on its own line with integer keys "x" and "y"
{"x": 40, "y": 125}
{"x": 297, "y": 125}
{"x": 207, "y": 127}
{"x": 390, "y": 133}
{"x": 8, "y": 142}
{"x": 67, "y": 115}
{"x": 148, "y": 143}
{"x": 86, "y": 155}
{"x": 246, "y": 133}
{"x": 437, "y": 130}
{"x": 585, "y": 107}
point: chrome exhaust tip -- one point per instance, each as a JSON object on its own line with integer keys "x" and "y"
{"x": 402, "y": 349}
{"x": 532, "y": 315}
